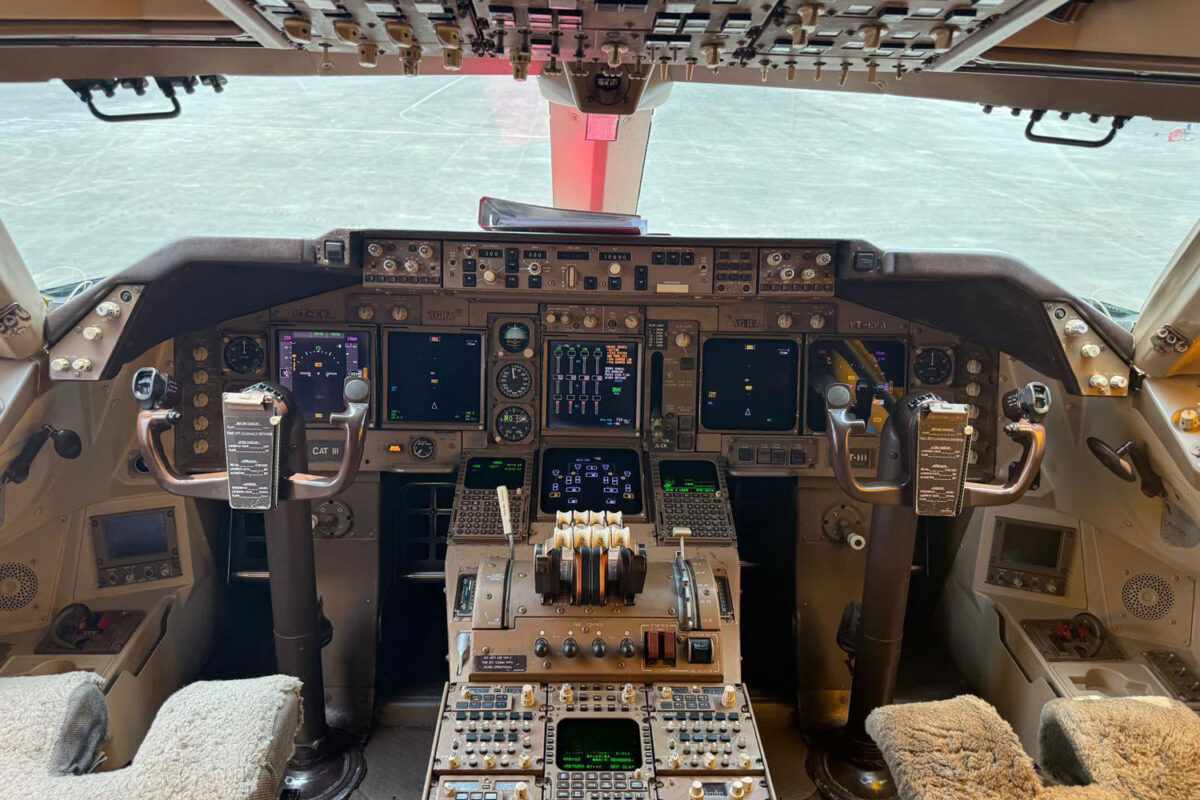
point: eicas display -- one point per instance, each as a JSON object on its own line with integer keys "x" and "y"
{"x": 581, "y": 479}
{"x": 592, "y": 385}
{"x": 434, "y": 377}
{"x": 314, "y": 365}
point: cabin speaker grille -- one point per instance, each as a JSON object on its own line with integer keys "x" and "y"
{"x": 18, "y": 585}
{"x": 1148, "y": 596}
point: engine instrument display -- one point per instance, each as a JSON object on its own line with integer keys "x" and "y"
{"x": 587, "y": 479}
{"x": 876, "y": 369}
{"x": 688, "y": 477}
{"x": 592, "y": 384}
{"x": 435, "y": 377}
{"x": 489, "y": 473}
{"x": 750, "y": 384}
{"x": 315, "y": 364}
{"x": 598, "y": 745}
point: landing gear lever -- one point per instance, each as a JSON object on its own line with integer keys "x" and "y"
{"x": 267, "y": 471}
{"x": 923, "y": 454}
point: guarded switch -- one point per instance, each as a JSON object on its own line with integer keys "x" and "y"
{"x": 700, "y": 650}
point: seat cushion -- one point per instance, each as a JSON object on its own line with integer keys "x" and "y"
{"x": 221, "y": 740}
{"x": 1147, "y": 748}
{"x": 35, "y": 710}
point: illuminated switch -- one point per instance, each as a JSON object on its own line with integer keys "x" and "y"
{"x": 700, "y": 650}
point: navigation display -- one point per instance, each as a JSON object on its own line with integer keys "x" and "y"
{"x": 750, "y": 384}
{"x": 876, "y": 369}
{"x": 688, "y": 477}
{"x": 315, "y": 364}
{"x": 489, "y": 473}
{"x": 599, "y": 745}
{"x": 587, "y": 479}
{"x": 592, "y": 384}
{"x": 435, "y": 377}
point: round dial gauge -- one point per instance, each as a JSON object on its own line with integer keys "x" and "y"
{"x": 513, "y": 424}
{"x": 422, "y": 448}
{"x": 514, "y": 336}
{"x": 933, "y": 366}
{"x": 244, "y": 355}
{"x": 514, "y": 380}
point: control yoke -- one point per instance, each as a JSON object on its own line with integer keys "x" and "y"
{"x": 157, "y": 393}
{"x": 1025, "y": 408}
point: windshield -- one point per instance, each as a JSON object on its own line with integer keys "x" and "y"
{"x": 300, "y": 156}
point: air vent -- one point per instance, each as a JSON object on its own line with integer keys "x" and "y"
{"x": 18, "y": 585}
{"x": 1148, "y": 596}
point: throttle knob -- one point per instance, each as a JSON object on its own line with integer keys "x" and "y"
{"x": 570, "y": 648}
{"x": 599, "y": 648}
{"x": 626, "y": 648}
{"x": 541, "y": 648}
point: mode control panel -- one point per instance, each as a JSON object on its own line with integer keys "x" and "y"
{"x": 603, "y": 269}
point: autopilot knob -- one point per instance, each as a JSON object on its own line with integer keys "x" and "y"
{"x": 570, "y": 647}
{"x": 626, "y": 648}
{"x": 541, "y": 648}
{"x": 696, "y": 792}
{"x": 729, "y": 697}
{"x": 599, "y": 648}
{"x": 521, "y": 791}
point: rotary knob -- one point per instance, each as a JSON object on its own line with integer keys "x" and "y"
{"x": 489, "y": 276}
{"x": 489, "y": 760}
{"x": 590, "y": 320}
{"x": 521, "y": 790}
{"x": 1118, "y": 382}
{"x": 710, "y": 761}
{"x": 200, "y": 447}
{"x": 729, "y": 696}
{"x": 108, "y": 309}
{"x": 1090, "y": 350}
{"x": 816, "y": 321}
{"x": 674, "y": 761}
{"x": 784, "y": 321}
{"x": 365, "y": 312}
{"x": 453, "y": 763}
{"x": 632, "y": 321}
{"x": 787, "y": 273}
{"x": 375, "y": 249}
{"x": 824, "y": 259}
{"x": 1098, "y": 381}
{"x": 667, "y": 693}
{"x": 614, "y": 269}
{"x": 737, "y": 790}
{"x": 93, "y": 333}
{"x": 528, "y": 698}
{"x": 411, "y": 265}
{"x": 1189, "y": 420}
{"x": 425, "y": 251}
{"x": 82, "y": 365}
{"x": 744, "y": 761}
{"x": 683, "y": 339}
{"x": 566, "y": 694}
{"x": 60, "y": 364}
{"x": 628, "y": 694}
{"x": 696, "y": 792}
{"x": 808, "y": 274}
{"x": 551, "y": 318}
{"x": 399, "y": 313}
{"x": 1075, "y": 327}
{"x": 389, "y": 265}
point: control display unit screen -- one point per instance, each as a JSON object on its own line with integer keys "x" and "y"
{"x": 874, "y": 369}
{"x": 315, "y": 365}
{"x": 133, "y": 537}
{"x": 592, "y": 385}
{"x": 586, "y": 479}
{"x": 688, "y": 477}
{"x": 750, "y": 384}
{"x": 489, "y": 473}
{"x": 435, "y": 377}
{"x": 1029, "y": 545}
{"x": 598, "y": 745}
